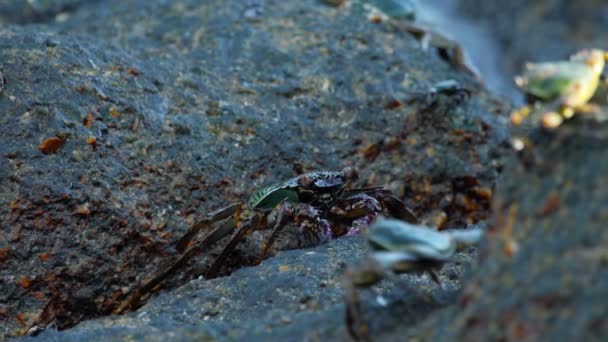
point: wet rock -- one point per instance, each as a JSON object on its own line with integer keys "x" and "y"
{"x": 296, "y": 295}
{"x": 544, "y": 274}
{"x": 167, "y": 110}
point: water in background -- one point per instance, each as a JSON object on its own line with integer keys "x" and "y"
{"x": 480, "y": 45}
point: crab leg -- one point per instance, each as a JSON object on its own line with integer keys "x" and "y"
{"x": 283, "y": 215}
{"x": 210, "y": 218}
{"x": 367, "y": 273}
{"x": 395, "y": 206}
{"x": 148, "y": 286}
{"x": 378, "y": 266}
{"x": 354, "y": 316}
{"x": 351, "y": 192}
{"x": 250, "y": 224}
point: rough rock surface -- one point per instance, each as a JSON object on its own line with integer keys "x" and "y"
{"x": 544, "y": 275}
{"x": 545, "y": 272}
{"x": 294, "y": 296}
{"x": 123, "y": 121}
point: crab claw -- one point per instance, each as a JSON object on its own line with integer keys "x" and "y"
{"x": 305, "y": 181}
{"x": 350, "y": 173}
{"x": 397, "y": 208}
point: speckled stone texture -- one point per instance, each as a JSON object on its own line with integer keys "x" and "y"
{"x": 165, "y": 110}
{"x": 544, "y": 275}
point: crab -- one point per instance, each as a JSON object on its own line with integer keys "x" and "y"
{"x": 449, "y": 88}
{"x": 399, "y": 247}
{"x": 562, "y": 88}
{"x": 320, "y": 205}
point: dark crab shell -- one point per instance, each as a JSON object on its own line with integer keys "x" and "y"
{"x": 307, "y": 228}
{"x": 447, "y": 86}
{"x": 304, "y": 188}
{"x": 322, "y": 180}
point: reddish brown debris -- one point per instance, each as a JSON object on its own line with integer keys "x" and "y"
{"x": 4, "y": 252}
{"x": 88, "y": 120}
{"x": 551, "y": 205}
{"x": 21, "y": 319}
{"x": 25, "y": 282}
{"x": 483, "y": 193}
{"x": 133, "y": 72}
{"x": 393, "y": 104}
{"x": 51, "y": 145}
{"x": 93, "y": 142}
{"x": 114, "y": 112}
{"x": 371, "y": 151}
{"x": 44, "y": 257}
{"x": 463, "y": 135}
{"x": 510, "y": 247}
{"x": 222, "y": 182}
{"x": 81, "y": 89}
{"x": 519, "y": 330}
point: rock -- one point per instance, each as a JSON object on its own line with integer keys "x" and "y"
{"x": 192, "y": 105}
{"x": 296, "y": 295}
{"x": 544, "y": 274}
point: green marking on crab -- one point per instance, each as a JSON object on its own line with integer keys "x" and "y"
{"x": 304, "y": 188}
{"x": 270, "y": 196}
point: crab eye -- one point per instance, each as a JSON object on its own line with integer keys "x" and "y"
{"x": 305, "y": 182}
{"x": 350, "y": 173}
